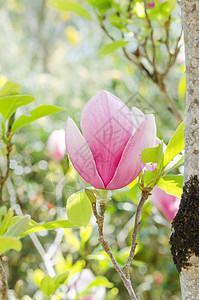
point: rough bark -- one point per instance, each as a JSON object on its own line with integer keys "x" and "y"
{"x": 3, "y": 282}
{"x": 189, "y": 276}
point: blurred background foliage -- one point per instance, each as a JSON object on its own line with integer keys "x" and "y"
{"x": 54, "y": 56}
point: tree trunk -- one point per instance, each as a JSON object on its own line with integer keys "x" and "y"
{"x": 185, "y": 238}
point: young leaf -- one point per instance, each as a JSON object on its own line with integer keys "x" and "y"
{"x": 9, "y": 88}
{"x": 100, "y": 280}
{"x": 47, "y": 285}
{"x": 175, "y": 145}
{"x": 150, "y": 154}
{"x": 112, "y": 47}
{"x": 49, "y": 226}
{"x": 175, "y": 164}
{"x": 60, "y": 279}
{"x": 154, "y": 154}
{"x": 7, "y": 243}
{"x": 65, "y": 5}
{"x": 172, "y": 184}
{"x": 19, "y": 227}
{"x": 9, "y": 104}
{"x": 6, "y": 221}
{"x": 35, "y": 114}
{"x": 79, "y": 210}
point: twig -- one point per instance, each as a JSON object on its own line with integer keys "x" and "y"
{"x": 145, "y": 194}
{"x": 156, "y": 77}
{"x": 3, "y": 282}
{"x": 152, "y": 39}
{"x": 107, "y": 249}
{"x": 170, "y": 101}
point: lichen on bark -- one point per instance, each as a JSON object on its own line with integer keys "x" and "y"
{"x": 185, "y": 237}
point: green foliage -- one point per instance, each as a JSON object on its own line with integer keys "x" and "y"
{"x": 8, "y": 243}
{"x": 19, "y": 227}
{"x": 10, "y": 88}
{"x": 65, "y": 5}
{"x": 35, "y": 114}
{"x": 9, "y": 104}
{"x": 176, "y": 144}
{"x": 49, "y": 226}
{"x": 172, "y": 184}
{"x": 112, "y": 47}
{"x": 47, "y": 285}
{"x": 79, "y": 209}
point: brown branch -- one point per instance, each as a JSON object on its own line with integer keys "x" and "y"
{"x": 151, "y": 34}
{"x": 155, "y": 77}
{"x": 3, "y": 282}
{"x": 174, "y": 108}
{"x": 105, "y": 245}
{"x": 145, "y": 194}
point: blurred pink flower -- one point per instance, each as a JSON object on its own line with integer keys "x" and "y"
{"x": 108, "y": 154}
{"x": 56, "y": 145}
{"x": 167, "y": 204}
{"x": 181, "y": 55}
{"x": 152, "y": 3}
{"x": 80, "y": 281}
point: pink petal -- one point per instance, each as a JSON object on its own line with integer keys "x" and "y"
{"x": 107, "y": 126}
{"x": 151, "y": 4}
{"x": 81, "y": 156}
{"x": 167, "y": 204}
{"x": 56, "y": 145}
{"x": 138, "y": 118}
{"x": 131, "y": 164}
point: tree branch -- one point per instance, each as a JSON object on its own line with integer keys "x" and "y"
{"x": 145, "y": 194}
{"x": 3, "y": 282}
{"x": 107, "y": 249}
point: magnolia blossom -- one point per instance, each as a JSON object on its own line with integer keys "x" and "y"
{"x": 167, "y": 204}
{"x": 152, "y": 3}
{"x": 56, "y": 144}
{"x": 79, "y": 282}
{"x": 108, "y": 153}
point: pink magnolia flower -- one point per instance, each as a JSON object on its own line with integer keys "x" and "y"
{"x": 152, "y": 3}
{"x": 108, "y": 154}
{"x": 79, "y": 282}
{"x": 167, "y": 204}
{"x": 56, "y": 145}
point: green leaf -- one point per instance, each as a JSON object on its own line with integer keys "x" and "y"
{"x": 101, "y": 280}
{"x": 90, "y": 195}
{"x": 47, "y": 285}
{"x": 154, "y": 155}
{"x": 35, "y": 114}
{"x": 7, "y": 243}
{"x": 6, "y": 221}
{"x": 150, "y": 154}
{"x": 175, "y": 146}
{"x": 49, "y": 226}
{"x": 9, "y": 104}
{"x": 101, "y": 5}
{"x": 3, "y": 212}
{"x": 9, "y": 88}
{"x": 79, "y": 209}
{"x": 112, "y": 47}
{"x": 64, "y": 5}
{"x": 172, "y": 184}
{"x": 175, "y": 165}
{"x": 60, "y": 279}
{"x": 19, "y": 227}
